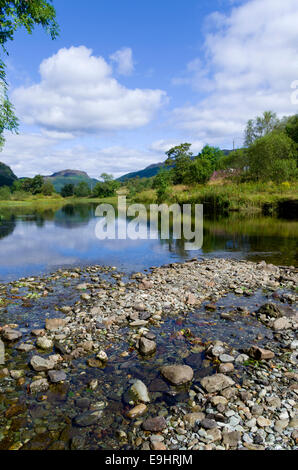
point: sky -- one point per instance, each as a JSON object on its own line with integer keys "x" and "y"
{"x": 127, "y": 80}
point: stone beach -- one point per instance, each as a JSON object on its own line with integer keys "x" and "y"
{"x": 200, "y": 355}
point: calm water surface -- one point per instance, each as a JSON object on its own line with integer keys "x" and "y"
{"x": 35, "y": 240}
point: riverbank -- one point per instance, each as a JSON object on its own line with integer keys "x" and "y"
{"x": 219, "y": 197}
{"x": 230, "y": 197}
{"x": 54, "y": 201}
{"x": 195, "y": 355}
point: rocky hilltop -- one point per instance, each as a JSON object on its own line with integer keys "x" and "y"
{"x": 60, "y": 178}
{"x": 7, "y": 176}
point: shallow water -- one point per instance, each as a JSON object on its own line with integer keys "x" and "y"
{"x": 44, "y": 423}
{"x": 39, "y": 240}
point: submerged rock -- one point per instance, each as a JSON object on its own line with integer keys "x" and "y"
{"x": 269, "y": 310}
{"x": 87, "y": 419}
{"x": 41, "y": 364}
{"x": 138, "y": 410}
{"x": 177, "y": 374}
{"x": 40, "y": 385}
{"x": 146, "y": 346}
{"x": 154, "y": 424}
{"x": 56, "y": 376}
{"x": 44, "y": 343}
{"x": 102, "y": 356}
{"x": 10, "y": 334}
{"x": 140, "y": 391}
{"x": 53, "y": 324}
{"x": 25, "y": 347}
{"x": 216, "y": 383}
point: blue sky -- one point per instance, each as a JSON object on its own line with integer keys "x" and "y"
{"x": 126, "y": 80}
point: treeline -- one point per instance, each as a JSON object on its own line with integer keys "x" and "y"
{"x": 270, "y": 153}
{"x": 23, "y": 188}
{"x": 105, "y": 188}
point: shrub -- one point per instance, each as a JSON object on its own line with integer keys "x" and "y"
{"x": 272, "y": 158}
{"x": 4, "y": 193}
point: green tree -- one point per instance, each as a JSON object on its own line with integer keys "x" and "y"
{"x": 236, "y": 159}
{"x": 161, "y": 183}
{"x": 212, "y": 154}
{"x": 17, "y": 186}
{"x": 47, "y": 188}
{"x": 200, "y": 171}
{"x": 82, "y": 189}
{"x": 272, "y": 157}
{"x": 106, "y": 177}
{"x": 33, "y": 185}
{"x": 67, "y": 190}
{"x": 260, "y": 126}
{"x": 291, "y": 128}
{"x": 107, "y": 187}
{"x": 5, "y": 193}
{"x": 15, "y": 14}
{"x": 180, "y": 158}
{"x": 36, "y": 184}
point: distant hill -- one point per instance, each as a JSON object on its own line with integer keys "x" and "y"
{"x": 153, "y": 170}
{"x": 7, "y": 176}
{"x": 60, "y": 178}
{"x": 148, "y": 172}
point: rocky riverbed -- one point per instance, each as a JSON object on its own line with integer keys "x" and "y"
{"x": 198, "y": 355}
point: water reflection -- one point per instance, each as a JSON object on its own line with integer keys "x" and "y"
{"x": 40, "y": 239}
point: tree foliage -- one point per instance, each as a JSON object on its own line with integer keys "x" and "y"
{"x": 67, "y": 190}
{"x": 15, "y": 14}
{"x": 82, "y": 189}
{"x": 272, "y": 157}
{"x": 260, "y": 126}
{"x": 107, "y": 187}
{"x": 33, "y": 185}
{"x": 47, "y": 188}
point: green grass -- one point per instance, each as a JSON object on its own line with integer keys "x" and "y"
{"x": 246, "y": 197}
{"x": 242, "y": 197}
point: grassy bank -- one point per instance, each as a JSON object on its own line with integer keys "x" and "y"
{"x": 55, "y": 200}
{"x": 243, "y": 197}
{"x": 246, "y": 197}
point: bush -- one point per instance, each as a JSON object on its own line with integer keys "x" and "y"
{"x": 47, "y": 188}
{"x": 4, "y": 193}
{"x": 272, "y": 158}
{"x": 67, "y": 190}
{"x": 200, "y": 171}
{"x": 105, "y": 188}
{"x": 82, "y": 190}
{"x": 20, "y": 195}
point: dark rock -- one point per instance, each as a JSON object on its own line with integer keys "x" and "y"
{"x": 82, "y": 403}
{"x": 260, "y": 354}
{"x": 154, "y": 424}
{"x": 146, "y": 346}
{"x": 269, "y": 310}
{"x": 208, "y": 423}
{"x": 194, "y": 360}
{"x": 87, "y": 419}
{"x": 158, "y": 385}
{"x": 56, "y": 376}
{"x": 77, "y": 443}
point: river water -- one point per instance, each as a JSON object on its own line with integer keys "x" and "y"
{"x": 37, "y": 240}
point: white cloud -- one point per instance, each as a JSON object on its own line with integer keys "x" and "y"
{"x": 123, "y": 59}
{"x": 77, "y": 94}
{"x": 250, "y": 60}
